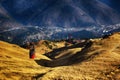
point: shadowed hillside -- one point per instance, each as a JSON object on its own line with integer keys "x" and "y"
{"x": 97, "y": 59}
{"x": 45, "y": 47}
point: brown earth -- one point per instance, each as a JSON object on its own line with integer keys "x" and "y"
{"x": 97, "y": 59}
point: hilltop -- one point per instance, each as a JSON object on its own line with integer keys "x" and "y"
{"x": 91, "y": 60}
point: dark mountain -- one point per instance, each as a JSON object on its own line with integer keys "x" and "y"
{"x": 6, "y": 21}
{"x": 62, "y": 13}
{"x": 26, "y": 20}
{"x": 8, "y": 25}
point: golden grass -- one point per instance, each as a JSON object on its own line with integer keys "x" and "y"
{"x": 15, "y": 63}
{"x": 101, "y": 61}
{"x": 98, "y": 60}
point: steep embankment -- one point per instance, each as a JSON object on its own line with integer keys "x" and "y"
{"x": 15, "y": 63}
{"x": 100, "y": 59}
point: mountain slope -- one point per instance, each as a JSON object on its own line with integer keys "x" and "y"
{"x": 6, "y": 21}
{"x": 71, "y": 13}
{"x": 99, "y": 59}
{"x": 51, "y": 19}
{"x": 62, "y": 13}
{"x": 15, "y": 63}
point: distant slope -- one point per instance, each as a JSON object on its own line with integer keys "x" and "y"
{"x": 45, "y": 46}
{"x": 62, "y": 13}
{"x": 6, "y": 21}
{"x": 51, "y": 19}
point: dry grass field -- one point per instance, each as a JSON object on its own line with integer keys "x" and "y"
{"x": 98, "y": 59}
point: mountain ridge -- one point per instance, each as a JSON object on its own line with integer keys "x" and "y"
{"x": 46, "y": 19}
{"x": 66, "y": 13}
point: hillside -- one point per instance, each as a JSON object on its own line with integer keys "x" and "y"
{"x": 97, "y": 59}
{"x": 15, "y": 63}
{"x": 44, "y": 46}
